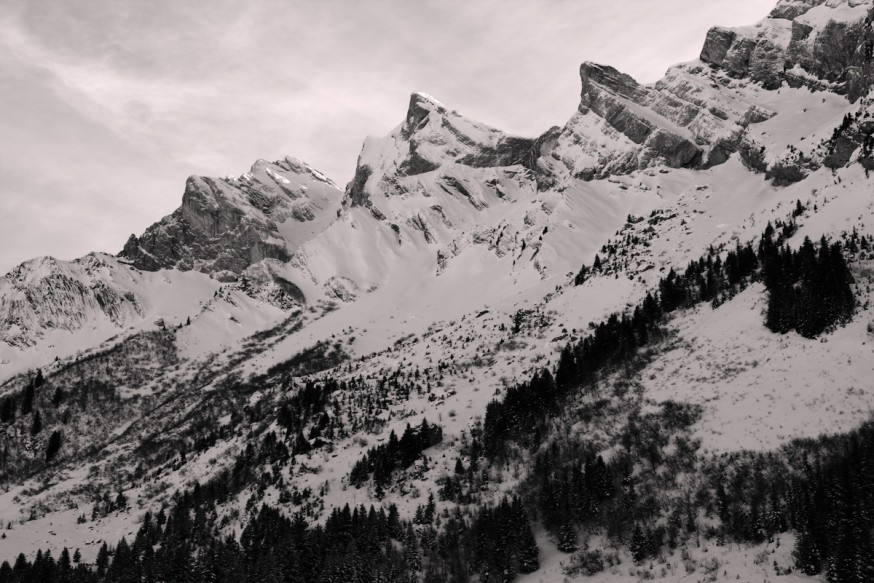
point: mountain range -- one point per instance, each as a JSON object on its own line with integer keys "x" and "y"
{"x": 467, "y": 278}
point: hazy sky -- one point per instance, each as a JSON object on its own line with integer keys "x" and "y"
{"x": 106, "y": 106}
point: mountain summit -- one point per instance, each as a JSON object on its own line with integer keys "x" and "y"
{"x": 227, "y": 224}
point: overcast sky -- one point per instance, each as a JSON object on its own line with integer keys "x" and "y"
{"x": 106, "y": 106}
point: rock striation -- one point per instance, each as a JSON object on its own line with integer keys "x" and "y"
{"x": 44, "y": 295}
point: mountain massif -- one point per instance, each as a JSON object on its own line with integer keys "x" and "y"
{"x": 637, "y": 346}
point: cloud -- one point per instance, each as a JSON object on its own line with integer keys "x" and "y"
{"x": 113, "y": 102}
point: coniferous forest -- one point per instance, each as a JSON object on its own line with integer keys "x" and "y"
{"x": 401, "y": 453}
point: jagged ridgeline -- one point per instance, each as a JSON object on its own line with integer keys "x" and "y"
{"x": 414, "y": 379}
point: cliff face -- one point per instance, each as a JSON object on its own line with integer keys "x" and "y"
{"x": 228, "y": 224}
{"x": 429, "y": 139}
{"x": 701, "y": 112}
{"x": 45, "y": 295}
{"x": 815, "y": 43}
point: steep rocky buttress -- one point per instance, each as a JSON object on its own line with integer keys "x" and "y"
{"x": 227, "y": 224}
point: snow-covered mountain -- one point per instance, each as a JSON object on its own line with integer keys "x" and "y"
{"x": 447, "y": 273}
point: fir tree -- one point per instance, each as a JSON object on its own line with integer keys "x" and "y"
{"x": 638, "y": 546}
{"x": 529, "y": 554}
{"x": 7, "y": 410}
{"x": 53, "y": 446}
{"x": 806, "y": 554}
{"x": 567, "y": 538}
{"x": 36, "y": 426}
{"x": 27, "y": 400}
{"x": 411, "y": 550}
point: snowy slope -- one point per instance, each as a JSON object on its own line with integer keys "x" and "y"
{"x": 449, "y": 234}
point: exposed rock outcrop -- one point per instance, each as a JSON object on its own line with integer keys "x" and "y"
{"x": 228, "y": 224}
{"x": 817, "y": 43}
{"x": 683, "y": 121}
{"x": 45, "y": 294}
{"x": 430, "y": 138}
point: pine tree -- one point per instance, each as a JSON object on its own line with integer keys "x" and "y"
{"x": 395, "y": 529}
{"x": 638, "y": 546}
{"x": 430, "y": 510}
{"x": 27, "y": 400}
{"x": 102, "y": 561}
{"x": 806, "y": 555}
{"x": 411, "y": 550}
{"x": 53, "y": 446}
{"x": 36, "y": 427}
{"x": 7, "y": 410}
{"x": 529, "y": 554}
{"x": 567, "y": 538}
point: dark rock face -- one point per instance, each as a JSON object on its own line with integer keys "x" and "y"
{"x": 510, "y": 150}
{"x": 355, "y": 189}
{"x": 766, "y": 65}
{"x": 430, "y": 138}
{"x": 839, "y": 56}
{"x": 716, "y": 45}
{"x": 229, "y": 224}
{"x": 607, "y": 92}
{"x": 514, "y": 150}
{"x": 45, "y": 294}
{"x": 855, "y": 132}
{"x": 208, "y": 232}
{"x": 594, "y": 75}
{"x": 543, "y": 146}
{"x": 720, "y": 151}
{"x": 290, "y": 289}
{"x": 417, "y": 114}
{"x": 752, "y": 155}
{"x": 838, "y": 53}
{"x": 415, "y": 164}
{"x": 756, "y": 58}
{"x": 840, "y": 152}
{"x": 505, "y": 150}
{"x": 800, "y": 31}
{"x": 678, "y": 152}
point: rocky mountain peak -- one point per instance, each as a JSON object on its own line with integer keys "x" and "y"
{"x": 431, "y": 138}
{"x": 418, "y": 112}
{"x": 791, "y": 9}
{"x": 227, "y": 224}
{"x": 821, "y": 44}
{"x": 699, "y": 113}
{"x": 594, "y": 74}
{"x": 46, "y": 294}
